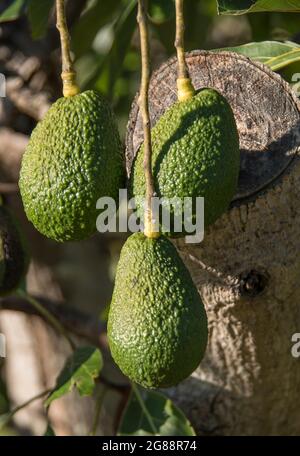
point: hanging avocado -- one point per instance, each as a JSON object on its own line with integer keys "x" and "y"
{"x": 74, "y": 157}
{"x": 195, "y": 153}
{"x": 157, "y": 325}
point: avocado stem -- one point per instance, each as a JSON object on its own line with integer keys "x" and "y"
{"x": 142, "y": 20}
{"x": 185, "y": 88}
{"x": 68, "y": 75}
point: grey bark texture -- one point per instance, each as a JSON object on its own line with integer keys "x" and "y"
{"x": 247, "y": 269}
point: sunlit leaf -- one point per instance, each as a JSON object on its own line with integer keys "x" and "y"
{"x": 80, "y": 371}
{"x": 256, "y": 6}
{"x": 274, "y": 54}
{"x": 281, "y": 61}
{"x": 13, "y": 11}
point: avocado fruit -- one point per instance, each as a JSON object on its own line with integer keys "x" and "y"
{"x": 157, "y": 325}
{"x": 195, "y": 153}
{"x": 13, "y": 253}
{"x": 73, "y": 158}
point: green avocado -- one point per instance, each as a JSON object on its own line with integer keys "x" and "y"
{"x": 157, "y": 325}
{"x": 13, "y": 253}
{"x": 73, "y": 158}
{"x": 195, "y": 154}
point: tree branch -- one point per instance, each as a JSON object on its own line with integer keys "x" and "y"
{"x": 8, "y": 187}
{"x": 48, "y": 316}
{"x": 75, "y": 321}
{"x": 12, "y": 146}
{"x": 26, "y": 100}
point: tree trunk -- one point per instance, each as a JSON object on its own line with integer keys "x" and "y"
{"x": 247, "y": 268}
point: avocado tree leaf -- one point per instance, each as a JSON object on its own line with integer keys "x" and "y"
{"x": 284, "y": 60}
{"x": 291, "y": 74}
{"x": 111, "y": 64}
{"x": 80, "y": 370}
{"x": 38, "y": 15}
{"x": 161, "y": 11}
{"x": 256, "y": 6}
{"x": 92, "y": 20}
{"x": 13, "y": 11}
{"x": 274, "y": 54}
{"x": 150, "y": 413}
{"x": 4, "y": 420}
{"x": 49, "y": 431}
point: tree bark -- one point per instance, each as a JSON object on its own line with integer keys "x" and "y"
{"x": 248, "y": 266}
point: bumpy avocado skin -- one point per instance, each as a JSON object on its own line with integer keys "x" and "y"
{"x": 195, "y": 154}
{"x": 157, "y": 325}
{"x": 14, "y": 258}
{"x": 73, "y": 158}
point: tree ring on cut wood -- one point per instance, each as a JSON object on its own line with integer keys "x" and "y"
{"x": 264, "y": 105}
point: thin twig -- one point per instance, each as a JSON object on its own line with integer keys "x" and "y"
{"x": 120, "y": 409}
{"x": 144, "y": 106}
{"x": 98, "y": 407}
{"x": 26, "y": 99}
{"x": 74, "y": 320}
{"x": 48, "y": 316}
{"x": 6, "y": 418}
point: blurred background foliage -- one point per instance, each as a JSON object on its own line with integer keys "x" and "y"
{"x": 105, "y": 41}
{"x": 106, "y": 45}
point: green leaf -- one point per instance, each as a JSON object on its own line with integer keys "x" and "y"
{"x": 49, "y": 431}
{"x": 80, "y": 370}
{"x": 38, "y": 15}
{"x": 13, "y": 11}
{"x": 149, "y": 413}
{"x": 291, "y": 75}
{"x": 111, "y": 64}
{"x": 89, "y": 24}
{"x": 4, "y": 420}
{"x": 23, "y": 285}
{"x": 256, "y": 6}
{"x": 262, "y": 51}
{"x": 282, "y": 61}
{"x": 274, "y": 54}
{"x": 161, "y": 11}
